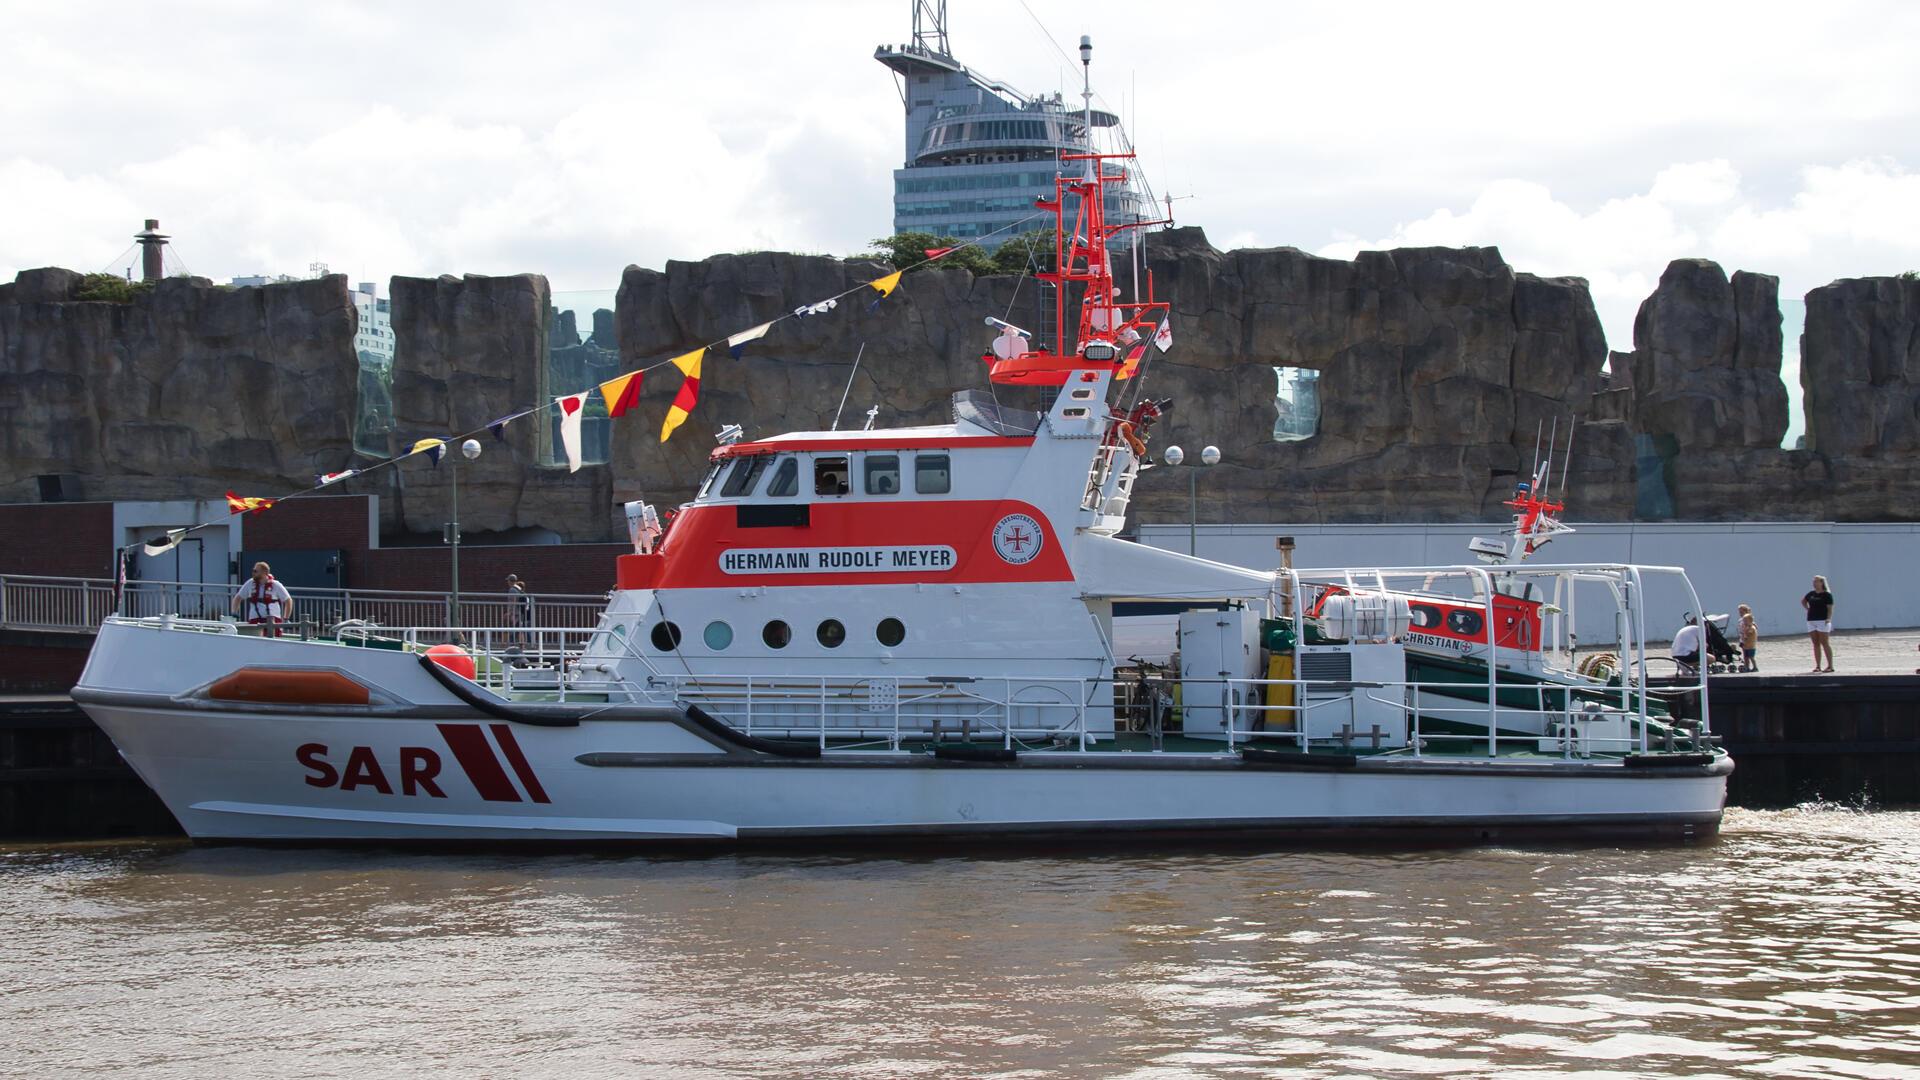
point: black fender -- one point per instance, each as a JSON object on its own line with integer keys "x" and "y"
{"x": 483, "y": 700}
{"x": 726, "y": 734}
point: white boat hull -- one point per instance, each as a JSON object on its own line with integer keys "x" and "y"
{"x": 240, "y": 775}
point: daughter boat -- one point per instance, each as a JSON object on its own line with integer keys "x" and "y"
{"x": 909, "y": 633}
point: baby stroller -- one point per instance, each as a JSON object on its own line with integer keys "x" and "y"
{"x": 1721, "y": 655}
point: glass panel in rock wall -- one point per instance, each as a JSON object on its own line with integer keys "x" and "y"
{"x": 374, "y": 346}
{"x": 1296, "y": 404}
{"x": 1653, "y": 476}
{"x": 581, "y": 353}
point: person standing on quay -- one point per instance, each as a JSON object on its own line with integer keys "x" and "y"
{"x": 1749, "y": 640}
{"x": 1819, "y": 605}
{"x": 519, "y": 608}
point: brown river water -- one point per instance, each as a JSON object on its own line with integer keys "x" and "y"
{"x": 1788, "y": 947}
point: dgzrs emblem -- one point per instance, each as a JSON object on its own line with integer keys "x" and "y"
{"x": 1017, "y": 539}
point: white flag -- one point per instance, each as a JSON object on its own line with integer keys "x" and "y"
{"x": 166, "y": 543}
{"x": 745, "y": 336}
{"x": 572, "y": 408}
{"x": 737, "y": 344}
{"x": 1163, "y": 337}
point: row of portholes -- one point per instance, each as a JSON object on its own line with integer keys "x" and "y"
{"x": 831, "y": 633}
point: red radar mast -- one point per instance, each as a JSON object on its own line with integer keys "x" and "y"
{"x": 1109, "y": 335}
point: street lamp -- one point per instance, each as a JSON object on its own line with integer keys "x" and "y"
{"x": 1176, "y": 457}
{"x": 471, "y": 451}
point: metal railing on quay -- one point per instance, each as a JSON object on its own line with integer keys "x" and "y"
{"x": 54, "y": 604}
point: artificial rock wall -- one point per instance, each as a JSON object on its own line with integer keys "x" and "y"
{"x": 1438, "y": 366}
{"x": 179, "y": 394}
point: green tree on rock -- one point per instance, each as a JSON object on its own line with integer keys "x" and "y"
{"x": 904, "y": 250}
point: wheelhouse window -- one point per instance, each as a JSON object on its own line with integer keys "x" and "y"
{"x": 786, "y": 479}
{"x": 830, "y": 475}
{"x": 932, "y": 474}
{"x": 883, "y": 474}
{"x": 745, "y": 475}
{"x": 713, "y": 474}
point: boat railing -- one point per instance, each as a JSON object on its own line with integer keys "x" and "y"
{"x": 79, "y": 605}
{"x": 874, "y": 712}
{"x": 1627, "y": 583}
{"x": 1574, "y": 729}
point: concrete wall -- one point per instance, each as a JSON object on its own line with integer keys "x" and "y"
{"x": 1871, "y": 568}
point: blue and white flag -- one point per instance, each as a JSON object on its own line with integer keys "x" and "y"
{"x": 737, "y": 344}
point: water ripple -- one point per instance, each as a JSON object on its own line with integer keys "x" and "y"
{"x": 1791, "y": 946}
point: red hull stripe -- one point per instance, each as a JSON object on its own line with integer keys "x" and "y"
{"x": 510, "y": 747}
{"x": 691, "y": 557}
{"x": 922, "y": 442}
{"x": 470, "y": 749}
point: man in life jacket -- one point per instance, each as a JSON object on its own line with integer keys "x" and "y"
{"x": 263, "y": 601}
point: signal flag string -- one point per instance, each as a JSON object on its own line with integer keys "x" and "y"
{"x": 689, "y": 364}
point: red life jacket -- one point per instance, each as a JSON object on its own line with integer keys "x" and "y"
{"x": 259, "y": 605}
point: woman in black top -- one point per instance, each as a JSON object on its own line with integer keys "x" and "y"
{"x": 1819, "y": 605}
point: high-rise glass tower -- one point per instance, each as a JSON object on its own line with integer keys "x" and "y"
{"x": 978, "y": 152}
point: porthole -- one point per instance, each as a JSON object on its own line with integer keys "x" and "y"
{"x": 891, "y": 632}
{"x": 665, "y": 637}
{"x": 718, "y": 636}
{"x": 776, "y": 634}
{"x": 831, "y": 633}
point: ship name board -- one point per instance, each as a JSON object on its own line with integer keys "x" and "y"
{"x": 838, "y": 560}
{"x": 1436, "y": 641}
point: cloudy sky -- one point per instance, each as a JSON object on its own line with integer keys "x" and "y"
{"x": 572, "y": 139}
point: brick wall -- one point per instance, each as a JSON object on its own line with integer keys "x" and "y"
{"x": 57, "y": 539}
{"x": 586, "y": 569}
{"x": 76, "y": 540}
{"x": 324, "y": 521}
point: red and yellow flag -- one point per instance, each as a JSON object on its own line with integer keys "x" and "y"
{"x": 621, "y": 393}
{"x": 251, "y": 504}
{"x": 689, "y": 395}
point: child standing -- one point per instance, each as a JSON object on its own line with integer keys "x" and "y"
{"x": 1749, "y": 640}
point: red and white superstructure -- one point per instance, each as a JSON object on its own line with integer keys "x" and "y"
{"x": 909, "y": 632}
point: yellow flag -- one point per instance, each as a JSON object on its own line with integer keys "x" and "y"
{"x": 689, "y": 364}
{"x": 689, "y": 395}
{"x": 886, "y": 285}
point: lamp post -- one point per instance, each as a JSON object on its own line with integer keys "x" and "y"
{"x": 1176, "y": 457}
{"x": 471, "y": 451}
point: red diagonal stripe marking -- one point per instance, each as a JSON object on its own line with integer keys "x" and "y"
{"x": 470, "y": 749}
{"x": 510, "y": 746}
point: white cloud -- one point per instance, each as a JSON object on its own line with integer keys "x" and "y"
{"x": 1699, "y": 183}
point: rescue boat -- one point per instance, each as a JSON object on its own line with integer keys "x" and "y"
{"x": 909, "y": 632}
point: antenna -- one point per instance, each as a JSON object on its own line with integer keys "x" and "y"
{"x": 1566, "y": 466}
{"x": 850, "y": 375}
{"x": 1086, "y": 102}
{"x": 1539, "y": 426}
{"x": 932, "y": 39}
{"x": 1546, "y": 468}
